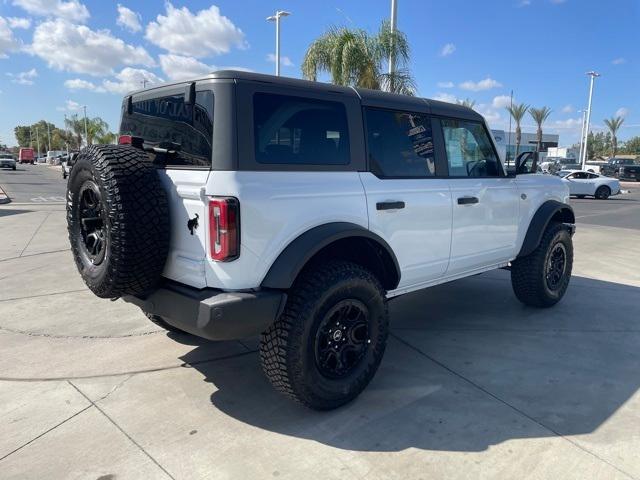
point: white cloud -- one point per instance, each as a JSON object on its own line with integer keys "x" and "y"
{"x": 558, "y": 2}
{"x": 68, "y": 9}
{"x": 524, "y": 3}
{"x": 501, "y": 101}
{"x": 79, "y": 84}
{"x": 284, "y": 60}
{"x": 178, "y": 67}
{"x": 486, "y": 84}
{"x": 445, "y": 85}
{"x": 24, "y": 78}
{"x": 567, "y": 109}
{"x": 619, "y": 61}
{"x": 568, "y": 124}
{"x": 128, "y": 19}
{"x": 18, "y": 22}
{"x": 622, "y": 112}
{"x": 198, "y": 35}
{"x": 130, "y": 79}
{"x": 69, "y": 106}
{"x": 8, "y": 42}
{"x": 447, "y": 49}
{"x": 446, "y": 97}
{"x": 77, "y": 48}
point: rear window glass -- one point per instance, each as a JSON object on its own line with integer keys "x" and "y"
{"x": 174, "y": 133}
{"x": 302, "y": 131}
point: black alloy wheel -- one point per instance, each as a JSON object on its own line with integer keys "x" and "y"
{"x": 556, "y": 266}
{"x": 92, "y": 224}
{"x": 342, "y": 338}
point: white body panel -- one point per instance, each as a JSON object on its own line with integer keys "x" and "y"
{"x": 484, "y": 233}
{"x": 588, "y": 186}
{"x": 420, "y": 233}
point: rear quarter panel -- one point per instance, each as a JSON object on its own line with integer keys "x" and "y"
{"x": 276, "y": 208}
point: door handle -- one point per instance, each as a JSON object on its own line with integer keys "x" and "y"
{"x": 389, "y": 205}
{"x": 467, "y": 200}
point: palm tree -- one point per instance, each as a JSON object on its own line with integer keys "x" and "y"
{"x": 355, "y": 57}
{"x": 614, "y": 124}
{"x": 467, "y": 102}
{"x": 517, "y": 111}
{"x": 539, "y": 116}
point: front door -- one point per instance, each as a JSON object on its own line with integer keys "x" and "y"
{"x": 407, "y": 205}
{"x": 485, "y": 200}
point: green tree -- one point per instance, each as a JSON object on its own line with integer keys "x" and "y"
{"x": 467, "y": 102}
{"x": 354, "y": 57}
{"x": 614, "y": 124}
{"x": 539, "y": 116}
{"x": 106, "y": 138}
{"x": 517, "y": 111}
{"x": 631, "y": 146}
{"x": 42, "y": 132}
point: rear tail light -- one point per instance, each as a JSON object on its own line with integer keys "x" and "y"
{"x": 125, "y": 140}
{"x": 224, "y": 228}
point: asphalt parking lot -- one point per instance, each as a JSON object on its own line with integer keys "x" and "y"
{"x": 473, "y": 384}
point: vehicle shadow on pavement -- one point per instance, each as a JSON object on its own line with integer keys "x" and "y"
{"x": 467, "y": 367}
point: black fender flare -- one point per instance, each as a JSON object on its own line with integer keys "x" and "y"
{"x": 540, "y": 220}
{"x": 295, "y": 256}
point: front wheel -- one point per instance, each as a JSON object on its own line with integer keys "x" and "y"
{"x": 541, "y": 278}
{"x": 328, "y": 343}
{"x": 603, "y": 192}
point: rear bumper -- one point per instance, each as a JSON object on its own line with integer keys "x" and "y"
{"x": 211, "y": 313}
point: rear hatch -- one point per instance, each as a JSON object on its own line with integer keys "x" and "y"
{"x": 174, "y": 125}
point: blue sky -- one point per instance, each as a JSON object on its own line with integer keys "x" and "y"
{"x": 58, "y": 54}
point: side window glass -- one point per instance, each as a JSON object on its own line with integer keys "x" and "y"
{"x": 469, "y": 150}
{"x": 400, "y": 144}
{"x": 174, "y": 133}
{"x": 299, "y": 131}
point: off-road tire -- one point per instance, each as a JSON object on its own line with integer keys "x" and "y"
{"x": 287, "y": 348}
{"x": 528, "y": 274}
{"x": 603, "y": 192}
{"x": 159, "y": 321}
{"x": 134, "y": 215}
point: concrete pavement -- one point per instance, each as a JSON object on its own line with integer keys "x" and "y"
{"x": 473, "y": 384}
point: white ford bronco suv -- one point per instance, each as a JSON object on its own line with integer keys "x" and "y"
{"x": 241, "y": 204}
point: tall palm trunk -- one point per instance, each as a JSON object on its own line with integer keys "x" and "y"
{"x": 614, "y": 124}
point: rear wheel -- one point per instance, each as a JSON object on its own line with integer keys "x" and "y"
{"x": 541, "y": 278}
{"x": 603, "y": 192}
{"x": 328, "y": 343}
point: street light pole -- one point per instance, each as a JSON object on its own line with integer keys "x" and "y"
{"x": 66, "y": 129}
{"x": 276, "y": 18}
{"x": 49, "y": 136}
{"x": 38, "y": 141}
{"x": 593, "y": 76}
{"x": 584, "y": 116}
{"x": 392, "y": 59}
{"x": 86, "y": 135}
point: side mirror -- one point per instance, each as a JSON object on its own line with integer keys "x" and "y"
{"x": 527, "y": 162}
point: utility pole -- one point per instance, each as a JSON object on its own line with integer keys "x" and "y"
{"x": 38, "y": 142}
{"x": 144, "y": 82}
{"x": 86, "y": 134}
{"x": 49, "y": 136}
{"x": 392, "y": 59}
{"x": 66, "y": 129}
{"x": 276, "y": 18}
{"x": 593, "y": 76}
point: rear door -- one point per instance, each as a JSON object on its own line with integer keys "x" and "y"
{"x": 408, "y": 204}
{"x": 485, "y": 200}
{"x": 178, "y": 137}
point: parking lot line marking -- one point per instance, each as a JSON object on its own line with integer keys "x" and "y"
{"x": 35, "y": 233}
{"x": 123, "y": 431}
{"x": 507, "y": 404}
{"x": 35, "y": 254}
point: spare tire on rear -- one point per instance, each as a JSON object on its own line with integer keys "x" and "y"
{"x": 118, "y": 220}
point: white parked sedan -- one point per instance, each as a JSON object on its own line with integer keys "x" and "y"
{"x": 583, "y": 183}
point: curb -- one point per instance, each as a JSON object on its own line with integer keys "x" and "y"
{"x": 4, "y": 198}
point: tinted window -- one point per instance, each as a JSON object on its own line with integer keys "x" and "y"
{"x": 400, "y": 144}
{"x": 302, "y": 131}
{"x": 469, "y": 150}
{"x": 174, "y": 133}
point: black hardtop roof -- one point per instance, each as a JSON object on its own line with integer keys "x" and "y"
{"x": 368, "y": 97}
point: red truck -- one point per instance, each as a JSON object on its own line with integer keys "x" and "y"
{"x": 26, "y": 155}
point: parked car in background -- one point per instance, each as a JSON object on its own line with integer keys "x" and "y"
{"x": 26, "y": 155}
{"x": 612, "y": 167}
{"x": 7, "y": 161}
{"x": 67, "y": 162}
{"x": 629, "y": 172}
{"x": 582, "y": 184}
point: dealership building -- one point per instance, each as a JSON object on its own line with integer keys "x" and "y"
{"x": 506, "y": 142}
